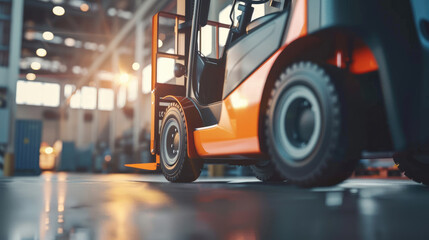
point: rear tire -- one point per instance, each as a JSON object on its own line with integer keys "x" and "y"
{"x": 414, "y": 166}
{"x": 175, "y": 163}
{"x": 266, "y": 172}
{"x": 309, "y": 136}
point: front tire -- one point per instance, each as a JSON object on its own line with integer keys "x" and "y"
{"x": 308, "y": 134}
{"x": 175, "y": 163}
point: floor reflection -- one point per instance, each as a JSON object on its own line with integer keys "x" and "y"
{"x": 122, "y": 203}
{"x": 52, "y": 214}
{"x": 71, "y": 206}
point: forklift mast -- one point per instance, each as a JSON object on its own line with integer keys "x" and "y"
{"x": 199, "y": 19}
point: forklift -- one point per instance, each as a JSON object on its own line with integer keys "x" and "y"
{"x": 297, "y": 94}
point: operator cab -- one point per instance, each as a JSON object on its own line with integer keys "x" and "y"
{"x": 209, "y": 73}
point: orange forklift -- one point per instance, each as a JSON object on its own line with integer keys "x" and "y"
{"x": 296, "y": 94}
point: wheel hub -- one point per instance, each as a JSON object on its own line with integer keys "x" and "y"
{"x": 171, "y": 142}
{"x": 297, "y": 123}
{"x": 300, "y": 121}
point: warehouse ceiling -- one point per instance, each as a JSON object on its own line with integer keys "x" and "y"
{"x": 62, "y": 38}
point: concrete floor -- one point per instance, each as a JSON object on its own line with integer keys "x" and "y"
{"x": 127, "y": 206}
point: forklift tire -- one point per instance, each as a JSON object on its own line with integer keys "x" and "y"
{"x": 266, "y": 172}
{"x": 309, "y": 136}
{"x": 415, "y": 169}
{"x": 175, "y": 163}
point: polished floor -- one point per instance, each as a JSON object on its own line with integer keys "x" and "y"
{"x": 128, "y": 206}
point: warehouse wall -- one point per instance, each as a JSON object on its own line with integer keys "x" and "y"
{"x": 74, "y": 128}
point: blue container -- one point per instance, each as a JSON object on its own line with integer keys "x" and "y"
{"x": 84, "y": 160}
{"x": 28, "y": 137}
{"x": 68, "y": 157}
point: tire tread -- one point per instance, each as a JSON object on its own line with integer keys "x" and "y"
{"x": 334, "y": 169}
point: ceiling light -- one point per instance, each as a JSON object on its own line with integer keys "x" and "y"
{"x": 41, "y": 52}
{"x": 77, "y": 69}
{"x": 36, "y": 66}
{"x": 58, "y": 10}
{"x": 49, "y": 150}
{"x": 124, "y": 78}
{"x": 30, "y": 35}
{"x": 84, "y": 7}
{"x": 111, "y": 12}
{"x": 69, "y": 42}
{"x": 48, "y": 36}
{"x": 136, "y": 66}
{"x": 90, "y": 46}
{"x": 30, "y": 76}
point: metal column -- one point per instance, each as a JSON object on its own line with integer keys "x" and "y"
{"x": 95, "y": 120}
{"x": 14, "y": 59}
{"x": 115, "y": 87}
{"x": 139, "y": 75}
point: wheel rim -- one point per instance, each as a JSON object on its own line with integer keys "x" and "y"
{"x": 297, "y": 124}
{"x": 171, "y": 142}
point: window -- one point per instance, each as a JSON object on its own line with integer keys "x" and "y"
{"x": 207, "y": 40}
{"x": 68, "y": 89}
{"x": 38, "y": 93}
{"x": 105, "y": 99}
{"x": 75, "y": 100}
{"x": 224, "y": 18}
{"x": 132, "y": 90}
{"x": 259, "y": 11}
{"x": 224, "y": 15}
{"x": 147, "y": 79}
{"x": 89, "y": 98}
{"x": 29, "y": 93}
{"x": 86, "y": 98}
{"x": 121, "y": 97}
{"x": 165, "y": 68}
{"x": 51, "y": 95}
